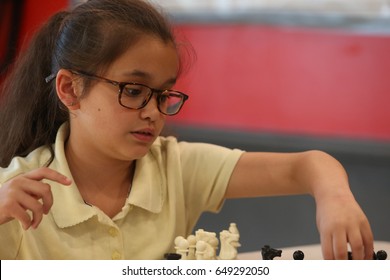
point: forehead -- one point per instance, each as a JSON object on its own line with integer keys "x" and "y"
{"x": 149, "y": 56}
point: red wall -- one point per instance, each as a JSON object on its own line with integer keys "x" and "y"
{"x": 288, "y": 80}
{"x": 277, "y": 79}
{"x": 36, "y": 12}
{"x": 33, "y": 14}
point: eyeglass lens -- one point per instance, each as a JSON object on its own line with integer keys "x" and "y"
{"x": 137, "y": 96}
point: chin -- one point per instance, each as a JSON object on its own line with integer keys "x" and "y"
{"x": 138, "y": 153}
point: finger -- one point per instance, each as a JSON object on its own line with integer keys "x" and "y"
{"x": 49, "y": 174}
{"x": 19, "y": 213}
{"x": 368, "y": 242}
{"x": 47, "y": 200}
{"x": 38, "y": 190}
{"x": 36, "y": 208}
{"x": 46, "y": 197}
{"x": 327, "y": 247}
{"x": 356, "y": 244}
{"x": 340, "y": 246}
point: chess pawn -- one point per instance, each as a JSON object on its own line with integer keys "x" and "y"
{"x": 181, "y": 247}
{"x": 192, "y": 247}
{"x": 298, "y": 255}
{"x": 381, "y": 255}
{"x": 200, "y": 252}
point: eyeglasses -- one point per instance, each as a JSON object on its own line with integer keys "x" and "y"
{"x": 136, "y": 96}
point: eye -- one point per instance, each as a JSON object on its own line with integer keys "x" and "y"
{"x": 132, "y": 90}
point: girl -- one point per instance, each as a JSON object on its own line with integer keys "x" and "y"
{"x": 85, "y": 174}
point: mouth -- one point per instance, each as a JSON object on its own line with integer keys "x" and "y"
{"x": 145, "y": 135}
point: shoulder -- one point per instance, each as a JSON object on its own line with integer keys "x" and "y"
{"x": 36, "y": 159}
{"x": 172, "y": 144}
{"x": 39, "y": 157}
{"x": 194, "y": 152}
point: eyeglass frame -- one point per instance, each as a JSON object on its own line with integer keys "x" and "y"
{"x": 122, "y": 85}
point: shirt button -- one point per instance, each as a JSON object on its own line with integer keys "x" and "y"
{"x": 116, "y": 255}
{"x": 113, "y": 232}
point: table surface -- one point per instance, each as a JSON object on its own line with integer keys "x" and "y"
{"x": 312, "y": 252}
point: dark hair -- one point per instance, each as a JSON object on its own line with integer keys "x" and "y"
{"x": 88, "y": 38}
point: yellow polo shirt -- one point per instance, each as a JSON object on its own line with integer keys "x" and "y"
{"x": 173, "y": 184}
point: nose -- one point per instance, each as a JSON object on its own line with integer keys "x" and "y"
{"x": 150, "y": 111}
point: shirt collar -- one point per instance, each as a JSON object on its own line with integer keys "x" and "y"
{"x": 147, "y": 190}
{"x": 69, "y": 208}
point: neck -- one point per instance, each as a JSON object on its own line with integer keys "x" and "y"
{"x": 99, "y": 170}
{"x": 101, "y": 182}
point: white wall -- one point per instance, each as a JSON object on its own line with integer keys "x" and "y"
{"x": 363, "y": 7}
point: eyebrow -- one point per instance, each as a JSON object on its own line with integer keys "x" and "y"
{"x": 145, "y": 75}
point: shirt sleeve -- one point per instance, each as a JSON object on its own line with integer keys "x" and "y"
{"x": 10, "y": 239}
{"x": 206, "y": 170}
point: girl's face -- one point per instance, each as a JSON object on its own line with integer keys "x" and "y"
{"x": 102, "y": 126}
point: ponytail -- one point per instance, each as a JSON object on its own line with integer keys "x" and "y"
{"x": 30, "y": 111}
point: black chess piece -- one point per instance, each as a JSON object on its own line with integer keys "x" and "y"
{"x": 298, "y": 255}
{"x": 172, "y": 256}
{"x": 381, "y": 255}
{"x": 269, "y": 253}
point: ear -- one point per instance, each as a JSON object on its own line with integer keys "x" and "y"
{"x": 67, "y": 90}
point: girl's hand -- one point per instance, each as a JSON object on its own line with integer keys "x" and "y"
{"x": 27, "y": 192}
{"x": 341, "y": 222}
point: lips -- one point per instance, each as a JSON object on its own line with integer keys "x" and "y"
{"x": 144, "y": 135}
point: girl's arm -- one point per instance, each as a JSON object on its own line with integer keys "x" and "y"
{"x": 340, "y": 220}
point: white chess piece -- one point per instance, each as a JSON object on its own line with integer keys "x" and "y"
{"x": 229, "y": 244}
{"x": 192, "y": 247}
{"x": 233, "y": 228}
{"x": 214, "y": 242}
{"x": 200, "y": 252}
{"x": 211, "y": 240}
{"x": 199, "y": 234}
{"x": 181, "y": 246}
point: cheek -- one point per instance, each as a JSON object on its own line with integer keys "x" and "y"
{"x": 95, "y": 115}
{"x": 99, "y": 103}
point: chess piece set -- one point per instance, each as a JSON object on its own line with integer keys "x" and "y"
{"x": 269, "y": 253}
{"x": 203, "y": 245}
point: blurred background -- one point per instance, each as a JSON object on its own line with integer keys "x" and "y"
{"x": 273, "y": 76}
